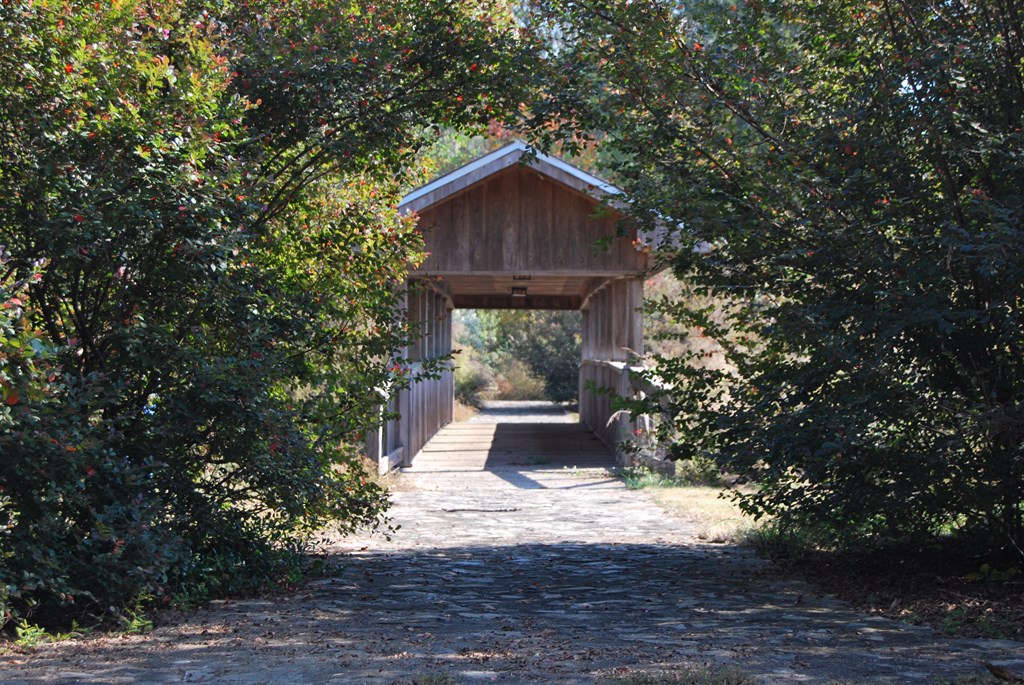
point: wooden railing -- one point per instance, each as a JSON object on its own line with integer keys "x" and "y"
{"x": 429, "y": 405}
{"x": 422, "y": 410}
{"x": 597, "y": 409}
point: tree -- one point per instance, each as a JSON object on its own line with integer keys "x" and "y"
{"x": 548, "y": 342}
{"x": 847, "y": 179}
{"x": 201, "y": 250}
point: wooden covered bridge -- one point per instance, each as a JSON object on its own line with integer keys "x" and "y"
{"x": 513, "y": 231}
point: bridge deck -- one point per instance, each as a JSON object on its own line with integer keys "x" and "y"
{"x": 478, "y": 446}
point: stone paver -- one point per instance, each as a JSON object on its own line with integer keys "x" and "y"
{"x": 526, "y": 574}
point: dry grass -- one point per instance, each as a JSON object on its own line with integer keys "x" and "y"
{"x": 464, "y": 412}
{"x": 718, "y": 518}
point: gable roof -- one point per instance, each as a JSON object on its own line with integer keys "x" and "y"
{"x": 490, "y": 164}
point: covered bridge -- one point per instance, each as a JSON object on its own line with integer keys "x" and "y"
{"x": 514, "y": 231}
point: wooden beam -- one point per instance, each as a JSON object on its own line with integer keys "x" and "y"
{"x": 595, "y": 286}
{"x": 440, "y": 286}
{"x": 500, "y": 301}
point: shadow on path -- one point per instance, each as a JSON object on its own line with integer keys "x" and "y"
{"x": 521, "y": 574}
{"x": 533, "y": 613}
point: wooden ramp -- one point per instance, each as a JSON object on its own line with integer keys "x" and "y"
{"x": 482, "y": 446}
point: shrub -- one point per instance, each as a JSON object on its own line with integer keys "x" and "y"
{"x": 846, "y": 186}
{"x": 514, "y": 380}
{"x": 472, "y": 381}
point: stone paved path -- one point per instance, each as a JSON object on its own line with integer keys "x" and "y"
{"x": 523, "y": 574}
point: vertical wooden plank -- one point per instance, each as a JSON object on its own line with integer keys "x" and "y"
{"x": 607, "y": 258}
{"x": 541, "y": 230}
{"x": 607, "y": 325}
{"x": 412, "y": 301}
{"x": 434, "y": 325}
{"x": 527, "y": 196}
{"x": 617, "y": 307}
{"x": 404, "y": 426}
{"x": 476, "y": 227}
{"x": 449, "y": 376}
{"x": 511, "y": 248}
{"x": 635, "y": 326}
{"x": 560, "y": 213}
{"x": 458, "y": 235}
{"x": 489, "y": 191}
{"x": 428, "y": 324}
{"x": 434, "y": 224}
{"x": 580, "y": 249}
{"x": 420, "y": 415}
{"x": 493, "y": 239}
{"x": 585, "y": 349}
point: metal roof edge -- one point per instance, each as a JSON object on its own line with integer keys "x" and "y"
{"x": 449, "y": 184}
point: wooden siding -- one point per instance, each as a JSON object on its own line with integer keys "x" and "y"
{"x": 428, "y": 405}
{"x": 613, "y": 326}
{"x": 613, "y": 335}
{"x": 596, "y": 409}
{"x": 520, "y": 221}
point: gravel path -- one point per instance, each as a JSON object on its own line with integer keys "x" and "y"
{"x": 526, "y": 574}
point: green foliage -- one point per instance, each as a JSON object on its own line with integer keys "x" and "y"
{"x": 697, "y": 471}
{"x": 134, "y": 621}
{"x": 28, "y": 635}
{"x": 472, "y": 380}
{"x": 520, "y": 347}
{"x": 201, "y": 265}
{"x": 846, "y": 179}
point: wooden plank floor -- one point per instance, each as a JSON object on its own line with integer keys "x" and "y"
{"x": 481, "y": 446}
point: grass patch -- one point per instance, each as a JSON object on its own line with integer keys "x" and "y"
{"x": 674, "y": 473}
{"x": 694, "y": 491}
{"x": 637, "y": 478}
{"x": 464, "y": 412}
{"x": 717, "y": 517}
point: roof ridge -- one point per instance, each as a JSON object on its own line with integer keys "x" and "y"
{"x": 455, "y": 181}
